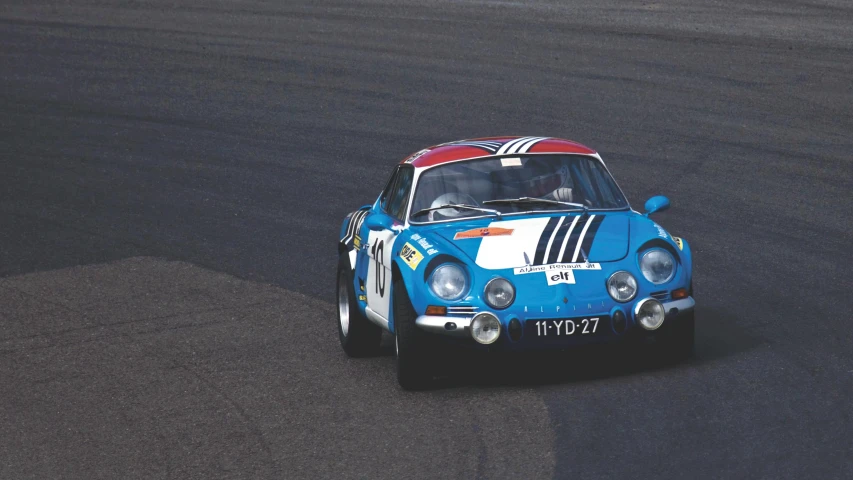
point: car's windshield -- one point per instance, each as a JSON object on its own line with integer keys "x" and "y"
{"x": 511, "y": 185}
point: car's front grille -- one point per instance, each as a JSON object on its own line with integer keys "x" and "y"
{"x": 461, "y": 310}
{"x": 664, "y": 295}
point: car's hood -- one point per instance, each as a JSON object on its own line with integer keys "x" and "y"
{"x": 540, "y": 240}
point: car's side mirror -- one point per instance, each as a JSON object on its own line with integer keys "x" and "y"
{"x": 378, "y": 222}
{"x": 658, "y": 203}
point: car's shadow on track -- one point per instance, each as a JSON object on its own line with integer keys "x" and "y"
{"x": 719, "y": 335}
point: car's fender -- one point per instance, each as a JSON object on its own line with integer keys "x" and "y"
{"x": 646, "y": 233}
{"x": 416, "y": 254}
{"x": 686, "y": 254}
{"x": 349, "y": 238}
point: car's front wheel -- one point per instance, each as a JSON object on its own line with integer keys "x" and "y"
{"x": 410, "y": 343}
{"x": 359, "y": 337}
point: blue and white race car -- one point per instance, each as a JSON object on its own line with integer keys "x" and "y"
{"x": 508, "y": 243}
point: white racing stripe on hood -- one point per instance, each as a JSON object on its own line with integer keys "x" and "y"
{"x": 580, "y": 240}
{"x": 508, "y": 251}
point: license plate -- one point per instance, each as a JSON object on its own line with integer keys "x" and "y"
{"x": 564, "y": 327}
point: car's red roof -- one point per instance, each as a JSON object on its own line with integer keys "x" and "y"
{"x": 479, "y": 147}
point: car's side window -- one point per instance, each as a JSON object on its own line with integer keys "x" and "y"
{"x": 388, "y": 192}
{"x": 399, "y": 198}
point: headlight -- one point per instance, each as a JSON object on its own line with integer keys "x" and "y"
{"x": 649, "y": 314}
{"x": 499, "y": 293}
{"x": 657, "y": 266}
{"x": 485, "y": 328}
{"x": 448, "y": 282}
{"x": 622, "y": 286}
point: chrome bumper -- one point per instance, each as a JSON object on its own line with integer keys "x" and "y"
{"x": 461, "y": 326}
{"x": 673, "y": 308}
{"x": 453, "y": 326}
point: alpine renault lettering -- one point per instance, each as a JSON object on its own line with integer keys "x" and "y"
{"x": 508, "y": 243}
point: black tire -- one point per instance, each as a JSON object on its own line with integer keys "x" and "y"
{"x": 680, "y": 340}
{"x": 410, "y": 342}
{"x": 361, "y": 338}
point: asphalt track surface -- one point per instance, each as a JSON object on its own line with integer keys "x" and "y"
{"x": 173, "y": 175}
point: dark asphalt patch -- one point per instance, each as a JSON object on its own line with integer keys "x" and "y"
{"x": 146, "y": 368}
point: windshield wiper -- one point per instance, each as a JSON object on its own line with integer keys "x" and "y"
{"x": 457, "y": 205}
{"x": 534, "y": 200}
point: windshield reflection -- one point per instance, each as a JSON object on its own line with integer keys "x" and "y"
{"x": 514, "y": 185}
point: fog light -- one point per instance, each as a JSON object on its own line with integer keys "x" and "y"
{"x": 649, "y": 314}
{"x": 619, "y": 322}
{"x": 515, "y": 329}
{"x": 485, "y": 328}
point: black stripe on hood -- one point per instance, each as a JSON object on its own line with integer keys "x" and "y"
{"x": 590, "y": 235}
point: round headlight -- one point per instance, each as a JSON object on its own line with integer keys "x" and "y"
{"x": 499, "y": 293}
{"x": 649, "y": 314}
{"x": 485, "y": 328}
{"x": 622, "y": 286}
{"x": 658, "y": 266}
{"x": 448, "y": 282}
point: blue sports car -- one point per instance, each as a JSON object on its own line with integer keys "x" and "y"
{"x": 508, "y": 243}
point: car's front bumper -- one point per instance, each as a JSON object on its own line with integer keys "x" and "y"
{"x": 460, "y": 327}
